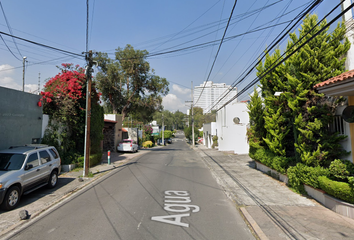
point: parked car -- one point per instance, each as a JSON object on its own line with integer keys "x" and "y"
{"x": 25, "y": 169}
{"x": 127, "y": 145}
{"x": 169, "y": 140}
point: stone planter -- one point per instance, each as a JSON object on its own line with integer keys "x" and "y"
{"x": 67, "y": 168}
{"x": 271, "y": 172}
{"x": 336, "y": 205}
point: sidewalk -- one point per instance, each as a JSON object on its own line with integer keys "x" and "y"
{"x": 269, "y": 206}
{"x": 41, "y": 199}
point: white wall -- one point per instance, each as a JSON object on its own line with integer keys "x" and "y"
{"x": 231, "y": 136}
{"x": 209, "y": 130}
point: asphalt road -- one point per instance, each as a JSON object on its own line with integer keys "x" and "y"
{"x": 166, "y": 194}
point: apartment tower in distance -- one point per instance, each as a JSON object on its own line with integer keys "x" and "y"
{"x": 212, "y": 93}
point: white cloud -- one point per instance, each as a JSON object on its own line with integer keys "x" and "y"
{"x": 180, "y": 90}
{"x": 5, "y": 79}
{"x": 31, "y": 88}
{"x": 6, "y": 71}
{"x": 172, "y": 103}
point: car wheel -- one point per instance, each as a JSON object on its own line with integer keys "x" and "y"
{"x": 53, "y": 179}
{"x": 12, "y": 198}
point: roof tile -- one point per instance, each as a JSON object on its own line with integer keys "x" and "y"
{"x": 341, "y": 77}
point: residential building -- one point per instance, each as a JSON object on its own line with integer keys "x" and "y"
{"x": 342, "y": 85}
{"x": 207, "y": 95}
{"x": 209, "y": 131}
{"x": 232, "y": 122}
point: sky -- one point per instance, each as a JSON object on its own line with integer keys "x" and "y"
{"x": 158, "y": 26}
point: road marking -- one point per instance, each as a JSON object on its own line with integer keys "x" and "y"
{"x": 178, "y": 198}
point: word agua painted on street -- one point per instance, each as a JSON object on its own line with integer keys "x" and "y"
{"x": 175, "y": 203}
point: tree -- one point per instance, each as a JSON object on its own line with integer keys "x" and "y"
{"x": 179, "y": 119}
{"x": 128, "y": 84}
{"x": 256, "y": 132}
{"x": 64, "y": 99}
{"x": 296, "y": 122}
{"x": 189, "y": 135}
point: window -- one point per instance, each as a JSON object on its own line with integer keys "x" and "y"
{"x": 54, "y": 153}
{"x": 44, "y": 155}
{"x": 33, "y": 159}
{"x": 337, "y": 125}
{"x": 9, "y": 161}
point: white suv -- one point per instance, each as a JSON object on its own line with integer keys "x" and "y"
{"x": 25, "y": 169}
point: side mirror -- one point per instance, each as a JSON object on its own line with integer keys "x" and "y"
{"x": 28, "y": 166}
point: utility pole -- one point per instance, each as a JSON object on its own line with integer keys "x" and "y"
{"x": 23, "y": 74}
{"x": 39, "y": 83}
{"x": 88, "y": 112}
{"x": 193, "y": 141}
{"x": 163, "y": 128}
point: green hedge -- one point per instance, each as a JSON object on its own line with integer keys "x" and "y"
{"x": 300, "y": 174}
{"x": 94, "y": 160}
{"x": 278, "y": 163}
{"x": 340, "y": 190}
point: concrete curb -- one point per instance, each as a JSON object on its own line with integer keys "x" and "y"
{"x": 258, "y": 231}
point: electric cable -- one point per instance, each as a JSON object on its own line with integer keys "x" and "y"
{"x": 8, "y": 26}
{"x": 254, "y": 81}
{"x": 217, "y": 53}
{"x": 274, "y": 43}
{"x": 42, "y": 45}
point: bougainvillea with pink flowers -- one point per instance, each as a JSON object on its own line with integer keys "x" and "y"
{"x": 64, "y": 100}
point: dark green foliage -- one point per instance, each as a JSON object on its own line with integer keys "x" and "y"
{"x": 94, "y": 160}
{"x": 268, "y": 158}
{"x": 129, "y": 85}
{"x": 167, "y": 134}
{"x": 188, "y": 133}
{"x": 296, "y": 122}
{"x": 215, "y": 142}
{"x": 338, "y": 170}
{"x": 300, "y": 174}
{"x": 340, "y": 190}
{"x": 256, "y": 132}
{"x": 97, "y": 124}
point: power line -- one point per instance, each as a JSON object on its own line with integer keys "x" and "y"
{"x": 274, "y": 43}
{"x": 289, "y": 55}
{"x": 42, "y": 45}
{"x": 217, "y": 53}
{"x": 8, "y": 26}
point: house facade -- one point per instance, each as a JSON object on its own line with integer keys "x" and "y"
{"x": 232, "y": 122}
{"x": 342, "y": 85}
{"x": 209, "y": 131}
{"x": 112, "y": 132}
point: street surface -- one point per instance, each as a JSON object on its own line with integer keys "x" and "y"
{"x": 166, "y": 194}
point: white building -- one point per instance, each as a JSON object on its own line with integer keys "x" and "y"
{"x": 212, "y": 93}
{"x": 209, "y": 131}
{"x": 231, "y": 126}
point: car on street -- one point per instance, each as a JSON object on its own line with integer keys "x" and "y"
{"x": 127, "y": 145}
{"x": 24, "y": 169}
{"x": 169, "y": 140}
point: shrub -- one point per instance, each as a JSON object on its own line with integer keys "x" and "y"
{"x": 148, "y": 144}
{"x": 94, "y": 160}
{"x": 215, "y": 142}
{"x": 351, "y": 182}
{"x": 338, "y": 170}
{"x": 300, "y": 174}
{"x": 340, "y": 190}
